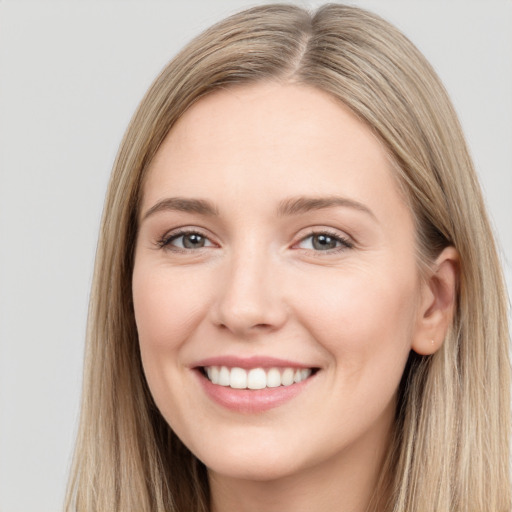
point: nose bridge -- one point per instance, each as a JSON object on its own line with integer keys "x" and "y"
{"x": 249, "y": 298}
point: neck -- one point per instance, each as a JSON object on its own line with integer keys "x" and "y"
{"x": 347, "y": 482}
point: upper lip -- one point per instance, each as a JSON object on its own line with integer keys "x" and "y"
{"x": 249, "y": 362}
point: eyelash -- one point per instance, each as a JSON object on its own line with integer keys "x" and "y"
{"x": 345, "y": 243}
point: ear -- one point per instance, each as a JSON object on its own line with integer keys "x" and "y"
{"x": 437, "y": 305}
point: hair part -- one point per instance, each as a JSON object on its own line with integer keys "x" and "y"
{"x": 450, "y": 449}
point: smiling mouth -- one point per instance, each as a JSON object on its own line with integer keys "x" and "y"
{"x": 255, "y": 378}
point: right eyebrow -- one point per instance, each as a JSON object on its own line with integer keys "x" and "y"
{"x": 181, "y": 204}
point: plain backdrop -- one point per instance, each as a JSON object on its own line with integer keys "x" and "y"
{"x": 71, "y": 75}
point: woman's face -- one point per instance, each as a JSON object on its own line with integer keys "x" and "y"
{"x": 274, "y": 247}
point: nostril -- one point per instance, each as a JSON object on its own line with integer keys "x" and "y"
{"x": 262, "y": 326}
{"x": 242, "y": 328}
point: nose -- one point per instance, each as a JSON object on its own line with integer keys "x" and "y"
{"x": 250, "y": 299}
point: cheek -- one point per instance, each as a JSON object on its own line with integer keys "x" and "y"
{"x": 166, "y": 307}
{"x": 364, "y": 319}
{"x": 167, "y": 310}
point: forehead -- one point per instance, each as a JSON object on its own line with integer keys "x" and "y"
{"x": 249, "y": 117}
{"x": 274, "y": 140}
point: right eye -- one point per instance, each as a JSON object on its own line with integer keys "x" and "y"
{"x": 186, "y": 240}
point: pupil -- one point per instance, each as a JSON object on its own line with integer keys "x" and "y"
{"x": 324, "y": 242}
{"x": 193, "y": 240}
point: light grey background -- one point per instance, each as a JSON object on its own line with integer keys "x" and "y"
{"x": 71, "y": 74}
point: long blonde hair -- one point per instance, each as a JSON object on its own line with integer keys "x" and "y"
{"x": 450, "y": 450}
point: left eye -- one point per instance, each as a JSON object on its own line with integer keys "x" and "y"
{"x": 189, "y": 241}
{"x": 322, "y": 242}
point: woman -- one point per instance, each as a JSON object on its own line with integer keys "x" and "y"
{"x": 297, "y": 301}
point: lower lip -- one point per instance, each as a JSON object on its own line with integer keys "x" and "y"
{"x": 251, "y": 400}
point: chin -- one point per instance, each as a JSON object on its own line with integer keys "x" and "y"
{"x": 261, "y": 470}
{"x": 255, "y": 465}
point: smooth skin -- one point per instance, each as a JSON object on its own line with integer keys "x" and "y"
{"x": 249, "y": 270}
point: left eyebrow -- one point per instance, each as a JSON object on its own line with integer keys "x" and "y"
{"x": 304, "y": 204}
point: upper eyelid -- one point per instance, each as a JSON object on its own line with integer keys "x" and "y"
{"x": 324, "y": 230}
{"x": 185, "y": 230}
{"x": 345, "y": 242}
{"x": 166, "y": 239}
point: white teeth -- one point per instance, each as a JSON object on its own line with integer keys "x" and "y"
{"x": 213, "y": 374}
{"x": 273, "y": 378}
{"x": 238, "y": 378}
{"x": 224, "y": 377}
{"x": 287, "y": 377}
{"x": 256, "y": 378}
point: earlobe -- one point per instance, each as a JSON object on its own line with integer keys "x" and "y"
{"x": 438, "y": 301}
